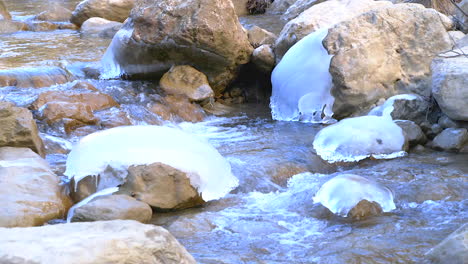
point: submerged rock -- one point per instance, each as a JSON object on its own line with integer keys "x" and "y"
{"x": 186, "y": 80}
{"x": 34, "y": 77}
{"x": 162, "y": 187}
{"x": 450, "y": 82}
{"x": 92, "y": 243}
{"x": 114, "y": 10}
{"x": 178, "y": 108}
{"x": 19, "y": 129}
{"x": 357, "y": 138}
{"x": 113, "y": 207}
{"x": 161, "y": 34}
{"x": 31, "y": 194}
{"x": 354, "y": 196}
{"x": 453, "y": 249}
{"x": 451, "y": 139}
{"x": 403, "y": 39}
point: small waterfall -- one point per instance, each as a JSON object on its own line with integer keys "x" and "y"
{"x": 111, "y": 68}
{"x": 103, "y": 192}
{"x": 302, "y": 82}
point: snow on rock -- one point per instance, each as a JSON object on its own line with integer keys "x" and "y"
{"x": 342, "y": 193}
{"x": 357, "y": 138}
{"x": 387, "y": 108}
{"x": 110, "y": 153}
{"x": 302, "y": 82}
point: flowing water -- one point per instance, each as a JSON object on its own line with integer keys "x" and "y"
{"x": 270, "y": 217}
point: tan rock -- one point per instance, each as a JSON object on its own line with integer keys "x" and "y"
{"x": 34, "y": 77}
{"x": 240, "y": 6}
{"x": 18, "y": 128}
{"x": 161, "y": 186}
{"x": 119, "y": 242}
{"x": 42, "y": 26}
{"x": 30, "y": 191}
{"x": 112, "y": 117}
{"x": 323, "y": 15}
{"x": 95, "y": 100}
{"x": 10, "y": 26}
{"x": 186, "y": 80}
{"x": 178, "y": 107}
{"x": 383, "y": 52}
{"x": 365, "y": 209}
{"x": 259, "y": 36}
{"x": 453, "y": 249}
{"x": 55, "y": 12}
{"x": 56, "y": 111}
{"x": 101, "y": 27}
{"x": 113, "y": 207}
{"x": 84, "y": 85}
{"x": 4, "y": 14}
{"x": 178, "y": 32}
{"x": 115, "y": 10}
{"x": 264, "y": 58}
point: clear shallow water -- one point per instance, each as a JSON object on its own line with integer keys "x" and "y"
{"x": 265, "y": 220}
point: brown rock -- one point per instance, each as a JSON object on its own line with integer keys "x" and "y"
{"x": 264, "y": 58}
{"x": 113, "y": 207}
{"x": 84, "y": 85}
{"x": 112, "y": 117}
{"x": 31, "y": 195}
{"x": 178, "y": 107}
{"x": 118, "y": 241}
{"x": 9, "y": 26}
{"x": 114, "y": 10}
{"x": 403, "y": 39}
{"x": 95, "y": 101}
{"x": 55, "y": 12}
{"x": 34, "y": 77}
{"x": 56, "y": 111}
{"x": 240, "y": 6}
{"x": 42, "y": 26}
{"x": 258, "y": 36}
{"x": 365, "y": 209}
{"x": 187, "y": 81}
{"x": 161, "y": 186}
{"x": 18, "y": 128}
{"x": 160, "y": 34}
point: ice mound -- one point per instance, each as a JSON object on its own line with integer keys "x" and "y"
{"x": 387, "y": 108}
{"x": 301, "y": 82}
{"x": 357, "y": 138}
{"x": 120, "y": 147}
{"x": 343, "y": 192}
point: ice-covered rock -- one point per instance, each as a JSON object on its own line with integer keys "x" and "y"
{"x": 354, "y": 139}
{"x": 111, "y": 152}
{"x": 301, "y": 82}
{"x": 342, "y": 193}
{"x": 403, "y": 107}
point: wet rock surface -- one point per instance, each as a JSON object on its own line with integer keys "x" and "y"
{"x": 114, "y": 10}
{"x": 187, "y": 81}
{"x": 451, "y": 139}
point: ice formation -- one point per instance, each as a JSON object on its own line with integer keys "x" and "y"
{"x": 110, "y": 67}
{"x": 107, "y": 191}
{"x": 343, "y": 192}
{"x": 301, "y": 82}
{"x": 357, "y": 138}
{"x": 120, "y": 147}
{"x": 386, "y": 108}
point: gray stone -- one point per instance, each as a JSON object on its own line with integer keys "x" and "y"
{"x": 264, "y": 58}
{"x": 101, "y": 27}
{"x": 445, "y": 122}
{"x": 114, "y": 10}
{"x": 451, "y": 139}
{"x": 259, "y": 36}
{"x": 413, "y": 133}
{"x": 113, "y": 207}
{"x": 118, "y": 241}
{"x": 453, "y": 249}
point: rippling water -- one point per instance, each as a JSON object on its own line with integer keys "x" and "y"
{"x": 271, "y": 217}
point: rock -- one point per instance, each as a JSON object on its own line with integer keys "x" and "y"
{"x": 240, "y": 6}
{"x": 460, "y": 16}
{"x": 56, "y": 111}
{"x": 365, "y": 209}
{"x": 101, "y": 27}
{"x": 161, "y": 186}
{"x": 19, "y": 128}
{"x": 113, "y": 207}
{"x": 42, "y": 26}
{"x": 404, "y": 107}
{"x": 34, "y": 77}
{"x": 456, "y": 36}
{"x": 322, "y": 15}
{"x": 451, "y": 250}
{"x": 186, "y": 80}
{"x": 280, "y": 6}
{"x": 258, "y": 36}
{"x": 445, "y": 122}
{"x": 114, "y": 10}
{"x": 112, "y": 117}
{"x": 56, "y": 145}
{"x": 258, "y": 6}
{"x": 84, "y": 85}
{"x": 413, "y": 133}
{"x": 264, "y": 58}
{"x": 161, "y": 34}
{"x": 55, "y": 13}
{"x": 298, "y": 7}
{"x": 9, "y": 26}
{"x": 449, "y": 83}
{"x": 31, "y": 194}
{"x": 4, "y": 14}
{"x": 102, "y": 242}
{"x": 402, "y": 39}
{"x": 178, "y": 107}
{"x": 451, "y": 139}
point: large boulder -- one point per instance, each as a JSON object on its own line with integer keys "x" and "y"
{"x": 115, "y": 10}
{"x": 103, "y": 242}
{"x": 18, "y": 128}
{"x": 31, "y": 194}
{"x": 453, "y": 249}
{"x": 113, "y": 207}
{"x": 321, "y": 15}
{"x": 161, "y": 186}
{"x": 383, "y": 52}
{"x": 450, "y": 83}
{"x": 205, "y": 34}
{"x": 186, "y": 80}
